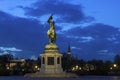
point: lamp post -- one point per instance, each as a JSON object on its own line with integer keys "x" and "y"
{"x": 114, "y": 65}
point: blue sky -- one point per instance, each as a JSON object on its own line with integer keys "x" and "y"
{"x": 91, "y": 27}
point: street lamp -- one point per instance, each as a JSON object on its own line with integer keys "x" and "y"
{"x": 38, "y": 69}
{"x": 114, "y": 65}
{"x": 36, "y": 66}
{"x": 76, "y": 67}
{"x": 8, "y": 67}
{"x": 80, "y": 68}
{"x": 111, "y": 68}
{"x": 73, "y": 69}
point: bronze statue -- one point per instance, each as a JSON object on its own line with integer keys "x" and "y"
{"x": 51, "y": 32}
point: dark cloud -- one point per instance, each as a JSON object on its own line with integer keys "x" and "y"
{"x": 94, "y": 30}
{"x": 30, "y": 36}
{"x": 25, "y": 34}
{"x": 104, "y": 38}
{"x": 68, "y": 12}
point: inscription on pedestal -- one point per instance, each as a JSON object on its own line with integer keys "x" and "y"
{"x": 50, "y": 60}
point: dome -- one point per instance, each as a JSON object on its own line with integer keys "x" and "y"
{"x": 51, "y": 48}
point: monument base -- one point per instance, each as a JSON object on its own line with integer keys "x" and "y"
{"x": 51, "y": 75}
{"x": 51, "y": 64}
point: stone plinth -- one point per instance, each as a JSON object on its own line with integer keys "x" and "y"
{"x": 51, "y": 64}
{"x": 51, "y": 60}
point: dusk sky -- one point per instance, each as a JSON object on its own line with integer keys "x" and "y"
{"x": 92, "y": 27}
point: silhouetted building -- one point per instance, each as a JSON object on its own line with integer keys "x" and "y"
{"x": 13, "y": 63}
{"x": 69, "y": 62}
{"x": 69, "y": 56}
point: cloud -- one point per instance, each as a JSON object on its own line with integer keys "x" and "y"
{"x": 33, "y": 57}
{"x": 86, "y": 39}
{"x": 94, "y": 38}
{"x": 7, "y": 52}
{"x": 13, "y": 9}
{"x": 102, "y": 51}
{"x": 66, "y": 14}
{"x": 24, "y": 33}
{"x": 30, "y": 36}
{"x": 10, "y": 49}
{"x": 66, "y": 11}
{"x": 96, "y": 30}
{"x": 111, "y": 38}
{"x": 27, "y": 34}
{"x": 73, "y": 47}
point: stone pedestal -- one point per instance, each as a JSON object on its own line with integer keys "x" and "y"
{"x": 51, "y": 60}
{"x": 51, "y": 64}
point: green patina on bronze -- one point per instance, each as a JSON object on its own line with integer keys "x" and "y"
{"x": 51, "y": 32}
{"x": 51, "y": 47}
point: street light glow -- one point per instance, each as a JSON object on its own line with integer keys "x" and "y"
{"x": 36, "y": 66}
{"x": 115, "y": 65}
{"x": 76, "y": 66}
{"x": 111, "y": 68}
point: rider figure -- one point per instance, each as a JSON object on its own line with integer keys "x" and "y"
{"x": 51, "y": 32}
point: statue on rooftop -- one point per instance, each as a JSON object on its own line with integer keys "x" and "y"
{"x": 51, "y": 32}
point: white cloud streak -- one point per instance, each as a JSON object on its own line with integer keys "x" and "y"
{"x": 33, "y": 57}
{"x": 73, "y": 47}
{"x": 10, "y": 49}
{"x": 86, "y": 39}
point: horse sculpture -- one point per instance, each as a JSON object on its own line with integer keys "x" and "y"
{"x": 51, "y": 32}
